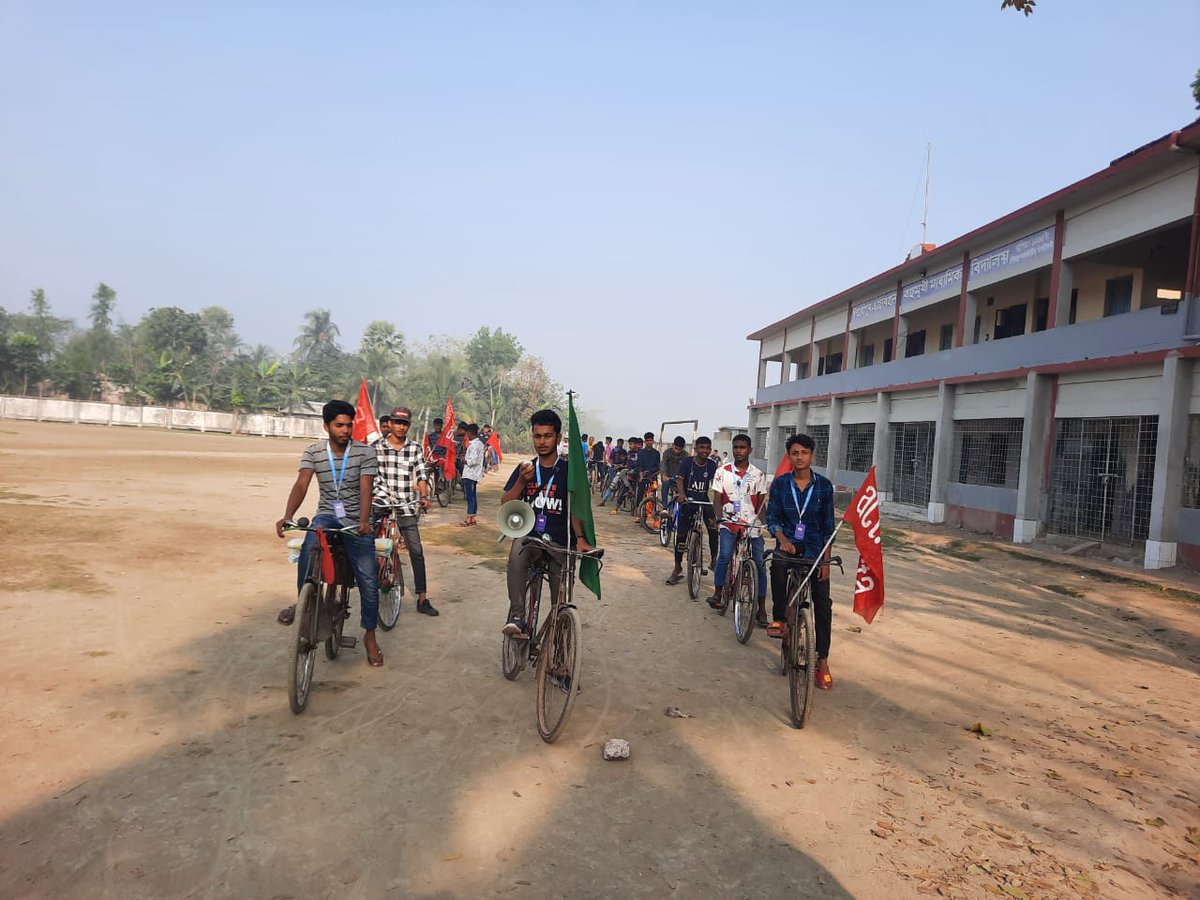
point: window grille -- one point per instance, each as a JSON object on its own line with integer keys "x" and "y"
{"x": 1102, "y": 478}
{"x": 1191, "y": 466}
{"x": 912, "y": 461}
{"x": 820, "y": 436}
{"x": 760, "y": 442}
{"x": 988, "y": 451}
{"x": 858, "y": 442}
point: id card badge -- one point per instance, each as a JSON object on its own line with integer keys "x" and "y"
{"x": 539, "y": 524}
{"x": 339, "y": 509}
{"x": 737, "y": 507}
{"x": 798, "y": 534}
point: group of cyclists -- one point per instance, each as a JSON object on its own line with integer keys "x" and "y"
{"x": 733, "y": 498}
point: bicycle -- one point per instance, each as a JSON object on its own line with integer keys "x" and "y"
{"x": 650, "y": 507}
{"x": 741, "y": 582}
{"x": 694, "y": 549}
{"x": 797, "y": 651}
{"x": 553, "y": 647}
{"x": 668, "y": 523}
{"x": 438, "y": 486}
{"x": 322, "y": 607}
{"x": 391, "y": 563}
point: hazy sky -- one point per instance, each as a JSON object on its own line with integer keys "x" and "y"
{"x": 629, "y": 187}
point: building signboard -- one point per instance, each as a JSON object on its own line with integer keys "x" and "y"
{"x": 938, "y": 286}
{"x": 874, "y": 310}
{"x": 1021, "y": 254}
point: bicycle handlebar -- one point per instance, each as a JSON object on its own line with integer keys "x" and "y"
{"x": 807, "y": 562}
{"x": 548, "y": 545}
{"x": 303, "y": 524}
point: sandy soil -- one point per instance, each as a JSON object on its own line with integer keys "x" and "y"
{"x": 149, "y": 751}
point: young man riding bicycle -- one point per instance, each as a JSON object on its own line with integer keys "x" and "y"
{"x": 403, "y": 481}
{"x": 648, "y": 461}
{"x": 693, "y": 482}
{"x": 741, "y": 491}
{"x": 345, "y": 470}
{"x": 542, "y": 483}
{"x": 800, "y": 516}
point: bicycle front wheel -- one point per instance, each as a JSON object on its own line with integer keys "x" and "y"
{"x": 744, "y": 602}
{"x": 649, "y": 514}
{"x": 304, "y": 648}
{"x": 666, "y": 527}
{"x": 442, "y": 491}
{"x": 338, "y": 600}
{"x": 695, "y": 564}
{"x": 391, "y": 589}
{"x": 558, "y": 675}
{"x": 802, "y": 663}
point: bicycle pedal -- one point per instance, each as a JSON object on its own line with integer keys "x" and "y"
{"x": 348, "y": 641}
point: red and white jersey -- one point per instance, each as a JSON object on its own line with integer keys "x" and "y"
{"x": 741, "y": 496}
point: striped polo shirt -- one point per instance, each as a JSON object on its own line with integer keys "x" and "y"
{"x": 362, "y": 461}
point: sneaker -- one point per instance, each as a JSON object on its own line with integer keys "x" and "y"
{"x": 427, "y": 608}
{"x": 515, "y": 628}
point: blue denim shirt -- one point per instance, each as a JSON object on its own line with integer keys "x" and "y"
{"x": 783, "y": 514}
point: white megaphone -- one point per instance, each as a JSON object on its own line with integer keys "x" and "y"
{"x": 516, "y": 519}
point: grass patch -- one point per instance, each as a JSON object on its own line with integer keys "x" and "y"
{"x": 479, "y": 541}
{"x": 896, "y": 540}
{"x": 959, "y": 549}
{"x": 1065, "y": 589}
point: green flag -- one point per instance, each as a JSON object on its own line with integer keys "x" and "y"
{"x": 579, "y": 494}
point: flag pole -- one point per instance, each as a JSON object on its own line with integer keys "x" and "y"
{"x": 570, "y": 414}
{"x": 821, "y": 555}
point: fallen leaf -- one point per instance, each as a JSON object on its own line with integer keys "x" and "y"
{"x": 1014, "y": 891}
{"x": 1193, "y": 836}
{"x": 980, "y": 729}
{"x": 1156, "y": 822}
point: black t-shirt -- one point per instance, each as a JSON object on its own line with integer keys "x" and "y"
{"x": 549, "y": 498}
{"x": 648, "y": 460}
{"x": 597, "y": 452}
{"x": 697, "y": 479}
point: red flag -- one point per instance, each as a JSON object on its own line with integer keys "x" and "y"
{"x": 366, "y": 426}
{"x": 863, "y": 516}
{"x": 494, "y": 443}
{"x": 447, "y": 441}
{"x": 785, "y": 465}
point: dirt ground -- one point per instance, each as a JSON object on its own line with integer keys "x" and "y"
{"x": 149, "y": 750}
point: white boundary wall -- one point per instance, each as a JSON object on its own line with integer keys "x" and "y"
{"x": 89, "y": 412}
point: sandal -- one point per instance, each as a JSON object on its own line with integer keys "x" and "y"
{"x": 824, "y": 680}
{"x": 375, "y": 661}
{"x": 777, "y": 629}
{"x": 674, "y": 579}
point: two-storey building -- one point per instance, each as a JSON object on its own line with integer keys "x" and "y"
{"x": 1034, "y": 375}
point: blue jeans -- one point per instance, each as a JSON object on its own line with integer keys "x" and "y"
{"x": 471, "y": 492}
{"x": 727, "y": 540}
{"x": 360, "y": 551}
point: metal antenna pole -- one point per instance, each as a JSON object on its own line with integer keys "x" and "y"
{"x": 925, "y": 219}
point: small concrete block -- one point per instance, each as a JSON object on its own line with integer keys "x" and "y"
{"x": 616, "y": 748}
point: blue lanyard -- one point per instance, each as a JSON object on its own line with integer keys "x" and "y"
{"x": 341, "y": 477}
{"x": 537, "y": 468}
{"x": 807, "y": 495}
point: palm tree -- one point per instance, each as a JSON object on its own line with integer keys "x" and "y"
{"x": 317, "y": 334}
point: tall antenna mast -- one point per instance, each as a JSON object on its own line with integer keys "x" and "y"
{"x": 925, "y": 218}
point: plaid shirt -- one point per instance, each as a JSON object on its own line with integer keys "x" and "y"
{"x": 399, "y": 472}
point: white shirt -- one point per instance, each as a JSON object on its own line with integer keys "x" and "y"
{"x": 473, "y": 460}
{"x": 733, "y": 489}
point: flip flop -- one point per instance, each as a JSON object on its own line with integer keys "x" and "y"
{"x": 674, "y": 579}
{"x": 375, "y": 661}
{"x": 824, "y": 680}
{"x": 777, "y": 629}
{"x": 287, "y": 615}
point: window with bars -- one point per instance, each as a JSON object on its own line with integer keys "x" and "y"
{"x": 1191, "y": 466}
{"x": 760, "y": 441}
{"x": 820, "y": 436}
{"x": 858, "y": 447}
{"x": 988, "y": 451}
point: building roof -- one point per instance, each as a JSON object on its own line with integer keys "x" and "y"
{"x": 1123, "y": 167}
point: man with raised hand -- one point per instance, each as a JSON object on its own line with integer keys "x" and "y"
{"x": 345, "y": 471}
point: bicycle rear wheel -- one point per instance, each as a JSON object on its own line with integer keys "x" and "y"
{"x": 803, "y": 663}
{"x": 558, "y": 675}
{"x": 442, "y": 491}
{"x": 744, "y": 602}
{"x": 304, "y": 648}
{"x": 695, "y": 564}
{"x": 391, "y": 589}
{"x": 338, "y": 602}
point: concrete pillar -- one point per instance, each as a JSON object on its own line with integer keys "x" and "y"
{"x": 762, "y": 373}
{"x": 1174, "y": 402}
{"x": 1037, "y": 433}
{"x": 899, "y": 347}
{"x": 970, "y": 311}
{"x": 835, "y": 439}
{"x": 1062, "y": 299}
{"x": 943, "y": 453}
{"x": 772, "y": 451}
{"x": 851, "y": 357}
{"x": 881, "y": 453}
{"x": 802, "y": 417}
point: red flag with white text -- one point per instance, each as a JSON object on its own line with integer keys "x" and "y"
{"x": 863, "y": 516}
{"x": 447, "y": 441}
{"x": 366, "y": 426}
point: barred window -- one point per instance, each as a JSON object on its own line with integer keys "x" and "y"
{"x": 859, "y": 445}
{"x": 988, "y": 451}
{"x": 1191, "y": 466}
{"x": 760, "y": 441}
{"x": 820, "y": 436}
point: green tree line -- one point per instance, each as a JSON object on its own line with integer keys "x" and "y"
{"x": 174, "y": 357}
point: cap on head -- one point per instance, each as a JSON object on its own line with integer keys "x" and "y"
{"x": 402, "y": 414}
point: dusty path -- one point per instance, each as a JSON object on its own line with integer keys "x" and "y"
{"x": 148, "y": 750}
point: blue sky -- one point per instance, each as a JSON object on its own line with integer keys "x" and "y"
{"x": 630, "y": 188}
